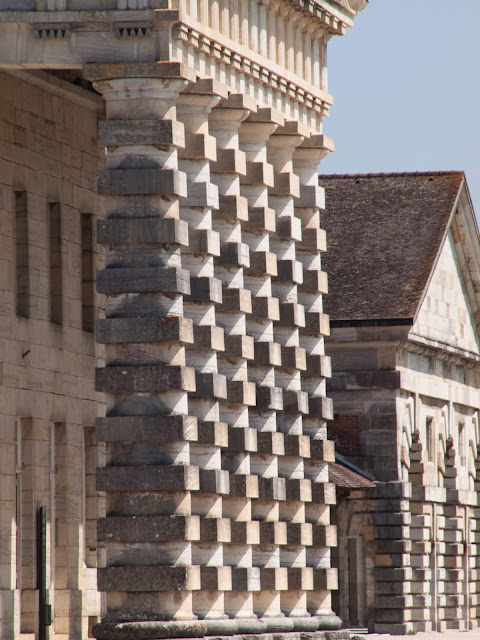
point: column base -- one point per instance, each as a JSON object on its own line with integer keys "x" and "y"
{"x": 287, "y": 628}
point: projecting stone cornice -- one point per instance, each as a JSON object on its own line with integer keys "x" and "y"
{"x": 421, "y": 345}
{"x": 272, "y": 50}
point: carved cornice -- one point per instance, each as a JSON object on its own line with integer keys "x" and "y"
{"x": 446, "y": 353}
{"x": 335, "y": 16}
{"x": 247, "y": 65}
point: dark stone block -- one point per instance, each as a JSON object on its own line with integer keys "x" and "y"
{"x": 144, "y": 379}
{"x": 209, "y": 337}
{"x": 146, "y": 428}
{"x": 205, "y": 290}
{"x": 141, "y": 280}
{"x": 210, "y": 385}
{"x": 148, "y": 528}
{"x": 128, "y": 132}
{"x": 152, "y": 630}
{"x": 214, "y": 481}
{"x": 165, "y": 182}
{"x": 132, "y": 330}
{"x": 270, "y": 398}
{"x": 152, "y": 478}
{"x": 142, "y": 231}
{"x": 268, "y": 353}
{"x": 147, "y": 578}
{"x": 272, "y": 489}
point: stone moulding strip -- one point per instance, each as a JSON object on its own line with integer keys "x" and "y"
{"x": 334, "y": 24}
{"x": 85, "y": 17}
{"x": 301, "y": 629}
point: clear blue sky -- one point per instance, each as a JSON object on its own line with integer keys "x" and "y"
{"x": 406, "y": 82}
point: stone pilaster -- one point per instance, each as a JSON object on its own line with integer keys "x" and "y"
{"x": 194, "y": 106}
{"x": 254, "y": 134}
{"x": 310, "y": 292}
{"x": 235, "y": 362}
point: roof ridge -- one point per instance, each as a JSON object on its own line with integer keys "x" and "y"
{"x": 393, "y": 174}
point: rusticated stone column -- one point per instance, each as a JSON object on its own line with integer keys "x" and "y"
{"x": 194, "y": 106}
{"x": 310, "y": 291}
{"x": 216, "y": 514}
{"x": 233, "y": 316}
{"x": 147, "y": 569}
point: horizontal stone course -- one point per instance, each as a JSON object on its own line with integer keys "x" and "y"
{"x": 142, "y": 280}
{"x": 147, "y": 378}
{"x": 151, "y": 478}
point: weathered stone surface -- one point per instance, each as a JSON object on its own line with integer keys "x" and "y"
{"x": 215, "y": 481}
{"x": 148, "y": 528}
{"x": 294, "y": 358}
{"x": 266, "y": 307}
{"x": 118, "y": 330}
{"x": 269, "y": 398}
{"x": 151, "y": 630}
{"x": 233, "y": 207}
{"x": 148, "y": 578}
{"x": 111, "y": 70}
{"x": 270, "y": 442}
{"x": 147, "y": 428}
{"x": 128, "y": 132}
{"x": 141, "y": 379}
{"x": 322, "y": 450}
{"x": 167, "y": 475}
{"x": 321, "y": 407}
{"x": 260, "y": 218}
{"x": 263, "y": 262}
{"x": 292, "y": 314}
{"x": 209, "y": 337}
{"x": 237, "y": 300}
{"x": 153, "y": 478}
{"x": 234, "y": 254}
{"x": 142, "y": 231}
{"x": 242, "y": 439}
{"x": 204, "y": 289}
{"x": 241, "y": 392}
{"x": 239, "y": 346}
{"x": 269, "y": 353}
{"x": 210, "y": 385}
{"x": 165, "y": 182}
{"x": 136, "y": 280}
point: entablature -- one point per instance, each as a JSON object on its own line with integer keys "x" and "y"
{"x": 273, "y": 50}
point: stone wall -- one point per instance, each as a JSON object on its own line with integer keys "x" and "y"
{"x": 49, "y": 158}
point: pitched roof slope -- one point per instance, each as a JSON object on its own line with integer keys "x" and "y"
{"x": 383, "y": 233}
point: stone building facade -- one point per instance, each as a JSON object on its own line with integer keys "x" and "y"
{"x": 49, "y": 157}
{"x": 216, "y": 510}
{"x": 404, "y": 271}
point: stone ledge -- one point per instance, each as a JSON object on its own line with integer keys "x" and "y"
{"x": 304, "y": 628}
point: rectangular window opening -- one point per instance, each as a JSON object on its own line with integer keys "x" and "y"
{"x": 21, "y": 255}
{"x": 431, "y": 443}
{"x": 88, "y": 273}
{"x": 56, "y": 285}
{"x": 462, "y": 444}
{"x": 90, "y": 496}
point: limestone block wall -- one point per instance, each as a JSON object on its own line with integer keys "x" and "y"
{"x": 421, "y": 568}
{"x": 216, "y": 470}
{"x": 49, "y": 158}
{"x": 446, "y": 314}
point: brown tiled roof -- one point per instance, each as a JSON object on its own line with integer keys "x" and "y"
{"x": 343, "y": 477}
{"x": 383, "y": 234}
